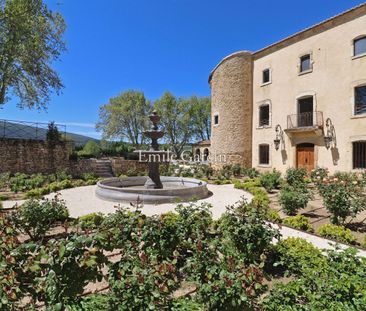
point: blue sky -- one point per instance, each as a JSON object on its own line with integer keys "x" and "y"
{"x": 159, "y": 45}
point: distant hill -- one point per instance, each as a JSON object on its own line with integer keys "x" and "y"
{"x": 27, "y": 130}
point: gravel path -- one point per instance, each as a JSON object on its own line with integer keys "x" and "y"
{"x": 81, "y": 201}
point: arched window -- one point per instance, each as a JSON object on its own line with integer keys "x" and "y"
{"x": 359, "y": 46}
{"x": 205, "y": 154}
{"x": 198, "y": 153}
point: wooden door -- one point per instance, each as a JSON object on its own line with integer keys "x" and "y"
{"x": 305, "y": 156}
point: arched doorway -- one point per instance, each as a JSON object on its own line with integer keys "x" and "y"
{"x": 305, "y": 156}
{"x": 205, "y": 154}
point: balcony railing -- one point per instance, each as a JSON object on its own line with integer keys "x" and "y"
{"x": 305, "y": 120}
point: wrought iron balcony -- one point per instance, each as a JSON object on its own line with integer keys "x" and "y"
{"x": 305, "y": 122}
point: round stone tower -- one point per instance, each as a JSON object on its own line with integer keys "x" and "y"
{"x": 231, "y": 84}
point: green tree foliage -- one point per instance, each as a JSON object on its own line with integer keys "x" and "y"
{"x": 30, "y": 41}
{"x": 125, "y": 117}
{"x": 90, "y": 149}
{"x": 201, "y": 117}
{"x": 176, "y": 117}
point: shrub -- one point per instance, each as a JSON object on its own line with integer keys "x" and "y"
{"x": 292, "y": 199}
{"x": 260, "y": 198}
{"x": 337, "y": 285}
{"x": 296, "y": 177}
{"x": 35, "y": 217}
{"x": 236, "y": 169}
{"x": 244, "y": 225}
{"x": 318, "y": 174}
{"x": 299, "y": 222}
{"x": 338, "y": 233}
{"x": 270, "y": 180}
{"x": 4, "y": 197}
{"x": 90, "y": 221}
{"x": 88, "y": 176}
{"x": 35, "y": 193}
{"x": 297, "y": 254}
{"x": 273, "y": 216}
{"x": 250, "y": 172}
{"x": 343, "y": 196}
{"x": 364, "y": 242}
{"x": 91, "y": 149}
{"x": 65, "y": 184}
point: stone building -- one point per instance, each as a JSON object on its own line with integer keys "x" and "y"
{"x": 201, "y": 150}
{"x": 300, "y": 102}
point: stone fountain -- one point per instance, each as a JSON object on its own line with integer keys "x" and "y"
{"x": 154, "y": 189}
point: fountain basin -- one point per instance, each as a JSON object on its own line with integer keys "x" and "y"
{"x": 132, "y": 189}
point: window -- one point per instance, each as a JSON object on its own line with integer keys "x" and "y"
{"x": 264, "y": 115}
{"x": 359, "y": 46}
{"x": 305, "y": 63}
{"x": 216, "y": 119}
{"x": 264, "y": 154}
{"x": 266, "y": 76}
{"x": 360, "y": 99}
{"x": 359, "y": 154}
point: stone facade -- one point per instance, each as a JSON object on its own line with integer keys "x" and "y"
{"x": 122, "y": 166}
{"x": 201, "y": 151}
{"x": 36, "y": 156}
{"x": 33, "y": 156}
{"x": 335, "y": 73}
{"x": 231, "y": 108}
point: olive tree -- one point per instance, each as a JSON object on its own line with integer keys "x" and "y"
{"x": 30, "y": 42}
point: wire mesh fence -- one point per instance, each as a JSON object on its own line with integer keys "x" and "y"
{"x": 28, "y": 130}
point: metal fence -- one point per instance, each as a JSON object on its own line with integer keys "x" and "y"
{"x": 28, "y": 130}
{"x": 305, "y": 119}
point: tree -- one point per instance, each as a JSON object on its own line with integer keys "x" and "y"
{"x": 30, "y": 41}
{"x": 125, "y": 117}
{"x": 53, "y": 135}
{"x": 201, "y": 117}
{"x": 91, "y": 149}
{"x": 176, "y": 117}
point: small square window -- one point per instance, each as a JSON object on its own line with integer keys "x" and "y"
{"x": 216, "y": 119}
{"x": 359, "y": 46}
{"x": 264, "y": 154}
{"x": 266, "y": 76}
{"x": 360, "y": 99}
{"x": 305, "y": 63}
{"x": 264, "y": 115}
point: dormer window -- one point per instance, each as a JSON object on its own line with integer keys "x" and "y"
{"x": 359, "y": 46}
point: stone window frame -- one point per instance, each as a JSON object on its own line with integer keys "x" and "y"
{"x": 354, "y": 84}
{"x": 353, "y": 41}
{"x": 270, "y": 76}
{"x": 304, "y": 95}
{"x": 269, "y": 164}
{"x": 265, "y": 103}
{"x": 310, "y": 53}
{"x": 218, "y": 119}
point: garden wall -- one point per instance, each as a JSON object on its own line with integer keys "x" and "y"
{"x": 122, "y": 166}
{"x": 33, "y": 156}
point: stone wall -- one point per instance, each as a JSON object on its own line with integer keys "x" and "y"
{"x": 33, "y": 156}
{"x": 122, "y": 166}
{"x": 231, "y": 95}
